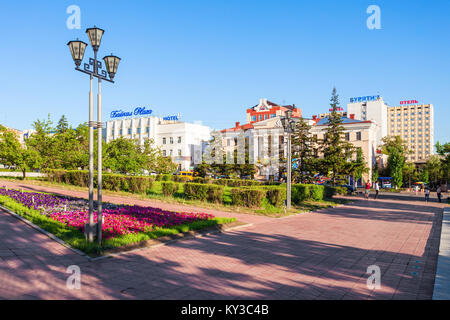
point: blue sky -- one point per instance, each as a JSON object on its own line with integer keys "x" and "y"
{"x": 211, "y": 60}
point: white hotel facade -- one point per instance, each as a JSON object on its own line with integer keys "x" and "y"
{"x": 176, "y": 139}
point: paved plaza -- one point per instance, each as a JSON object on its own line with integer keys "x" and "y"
{"x": 316, "y": 255}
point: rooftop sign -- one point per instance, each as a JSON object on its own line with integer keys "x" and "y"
{"x": 409, "y": 102}
{"x": 364, "y": 99}
{"x": 139, "y": 111}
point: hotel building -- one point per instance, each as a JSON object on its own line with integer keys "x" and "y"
{"x": 175, "y": 138}
{"x": 414, "y": 123}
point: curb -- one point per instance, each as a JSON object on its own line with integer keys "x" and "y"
{"x": 441, "y": 289}
{"x": 48, "y": 234}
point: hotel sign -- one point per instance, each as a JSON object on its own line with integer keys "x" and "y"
{"x": 139, "y": 111}
{"x": 171, "y": 118}
{"x": 364, "y": 99}
{"x": 409, "y": 102}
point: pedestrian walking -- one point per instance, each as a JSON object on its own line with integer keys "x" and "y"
{"x": 427, "y": 194}
{"x": 439, "y": 193}
{"x": 367, "y": 189}
{"x": 377, "y": 189}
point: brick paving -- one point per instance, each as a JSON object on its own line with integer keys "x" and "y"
{"x": 317, "y": 255}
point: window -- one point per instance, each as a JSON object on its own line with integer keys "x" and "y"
{"x": 179, "y": 139}
{"x": 171, "y": 152}
{"x": 129, "y": 131}
{"x": 138, "y": 130}
{"x": 347, "y": 136}
{"x": 171, "y": 140}
{"x": 253, "y": 118}
{"x": 147, "y": 129}
{"x": 164, "y": 153}
{"x": 179, "y": 152}
{"x": 164, "y": 141}
{"x": 358, "y": 136}
{"x": 121, "y": 132}
{"x": 260, "y": 117}
{"x": 273, "y": 115}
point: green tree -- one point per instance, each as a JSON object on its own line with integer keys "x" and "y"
{"x": 394, "y": 148}
{"x": 375, "y": 171}
{"x": 62, "y": 125}
{"x": 13, "y": 153}
{"x": 303, "y": 151}
{"x": 409, "y": 172}
{"x": 358, "y": 166}
{"x": 434, "y": 168}
{"x": 337, "y": 152}
{"x": 444, "y": 151}
{"x": 124, "y": 156}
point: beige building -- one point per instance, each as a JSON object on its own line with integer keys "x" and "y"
{"x": 360, "y": 133}
{"x": 415, "y": 125}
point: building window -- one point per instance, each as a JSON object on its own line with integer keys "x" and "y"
{"x": 138, "y": 130}
{"x": 358, "y": 136}
{"x": 253, "y": 118}
{"x": 179, "y": 139}
{"x": 164, "y": 141}
{"x": 171, "y": 152}
{"x": 273, "y": 115}
{"x": 171, "y": 140}
{"x": 260, "y": 117}
{"x": 129, "y": 131}
{"x": 147, "y": 129}
{"x": 164, "y": 153}
{"x": 347, "y": 136}
{"x": 121, "y": 132}
{"x": 179, "y": 152}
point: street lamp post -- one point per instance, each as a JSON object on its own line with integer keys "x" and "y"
{"x": 288, "y": 126}
{"x": 94, "y": 69}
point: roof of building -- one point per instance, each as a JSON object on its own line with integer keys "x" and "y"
{"x": 345, "y": 120}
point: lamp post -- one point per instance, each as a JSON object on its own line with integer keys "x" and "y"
{"x": 94, "y": 69}
{"x": 288, "y": 126}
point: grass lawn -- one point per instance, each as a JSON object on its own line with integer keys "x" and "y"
{"x": 155, "y": 193}
{"x": 75, "y": 238}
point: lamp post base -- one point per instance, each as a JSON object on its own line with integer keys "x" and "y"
{"x": 90, "y": 231}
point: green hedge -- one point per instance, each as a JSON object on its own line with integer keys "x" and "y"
{"x": 204, "y": 192}
{"x": 169, "y": 188}
{"x": 248, "y": 197}
{"x": 113, "y": 182}
{"x": 236, "y": 182}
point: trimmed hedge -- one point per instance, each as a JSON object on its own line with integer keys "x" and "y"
{"x": 236, "y": 182}
{"x": 204, "y": 192}
{"x": 248, "y": 197}
{"x": 113, "y": 182}
{"x": 169, "y": 188}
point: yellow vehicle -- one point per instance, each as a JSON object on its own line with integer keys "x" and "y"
{"x": 187, "y": 174}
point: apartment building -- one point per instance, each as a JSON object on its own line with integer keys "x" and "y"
{"x": 414, "y": 123}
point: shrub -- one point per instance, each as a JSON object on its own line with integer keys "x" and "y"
{"x": 169, "y": 188}
{"x": 167, "y": 177}
{"x": 179, "y": 178}
{"x": 199, "y": 180}
{"x": 112, "y": 182}
{"x": 204, "y": 192}
{"x": 316, "y": 192}
{"x": 248, "y": 197}
{"x": 276, "y": 195}
{"x": 329, "y": 192}
{"x": 138, "y": 184}
{"x": 237, "y": 182}
{"x": 300, "y": 193}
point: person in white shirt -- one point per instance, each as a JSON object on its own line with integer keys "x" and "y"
{"x": 377, "y": 189}
{"x": 427, "y": 194}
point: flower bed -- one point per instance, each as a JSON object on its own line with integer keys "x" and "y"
{"x": 118, "y": 220}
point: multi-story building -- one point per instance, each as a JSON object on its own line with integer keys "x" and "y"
{"x": 175, "y": 138}
{"x": 360, "y": 133}
{"x": 371, "y": 108}
{"x": 267, "y": 110}
{"x": 414, "y": 123}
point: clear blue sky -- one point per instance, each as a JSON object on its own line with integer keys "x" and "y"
{"x": 210, "y": 60}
